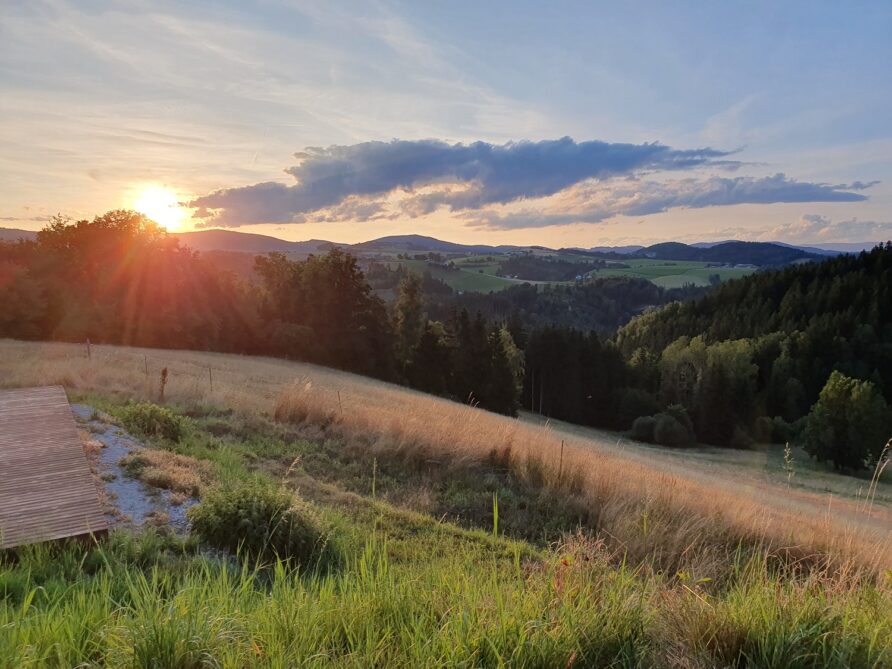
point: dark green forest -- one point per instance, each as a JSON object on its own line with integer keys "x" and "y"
{"x": 799, "y": 353}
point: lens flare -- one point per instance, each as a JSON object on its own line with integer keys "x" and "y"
{"x": 162, "y": 206}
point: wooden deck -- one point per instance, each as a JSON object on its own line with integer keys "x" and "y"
{"x": 46, "y": 488}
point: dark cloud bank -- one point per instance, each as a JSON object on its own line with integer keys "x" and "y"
{"x": 489, "y": 174}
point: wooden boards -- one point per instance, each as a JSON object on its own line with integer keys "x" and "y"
{"x": 46, "y": 488}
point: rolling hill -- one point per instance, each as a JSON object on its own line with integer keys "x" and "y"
{"x": 420, "y": 244}
{"x": 14, "y": 234}
{"x": 760, "y": 254}
{"x": 247, "y": 242}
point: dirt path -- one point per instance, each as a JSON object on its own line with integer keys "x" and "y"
{"x": 131, "y": 503}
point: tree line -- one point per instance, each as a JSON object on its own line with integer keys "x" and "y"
{"x": 800, "y": 353}
{"x": 121, "y": 279}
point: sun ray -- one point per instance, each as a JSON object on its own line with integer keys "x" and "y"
{"x": 161, "y": 205}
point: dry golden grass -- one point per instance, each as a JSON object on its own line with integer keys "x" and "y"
{"x": 181, "y": 474}
{"x": 649, "y": 510}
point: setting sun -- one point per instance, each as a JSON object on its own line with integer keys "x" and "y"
{"x": 162, "y": 206}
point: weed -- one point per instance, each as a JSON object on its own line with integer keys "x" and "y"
{"x": 152, "y": 420}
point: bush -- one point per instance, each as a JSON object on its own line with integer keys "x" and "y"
{"x": 669, "y": 431}
{"x": 763, "y": 430}
{"x": 263, "y": 522}
{"x": 848, "y": 425}
{"x": 152, "y": 420}
{"x": 740, "y": 439}
{"x": 679, "y": 413}
{"x": 785, "y": 432}
{"x": 643, "y": 429}
{"x": 634, "y": 403}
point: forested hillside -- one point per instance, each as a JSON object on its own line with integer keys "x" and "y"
{"x": 806, "y": 350}
{"x": 602, "y": 305}
{"x": 763, "y": 254}
{"x": 836, "y": 314}
{"x": 758, "y": 355}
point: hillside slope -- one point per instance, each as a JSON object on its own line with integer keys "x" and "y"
{"x": 442, "y": 536}
{"x": 616, "y": 482}
{"x": 759, "y": 350}
{"x": 14, "y": 234}
{"x": 246, "y": 242}
{"x": 760, "y": 254}
{"x": 842, "y": 295}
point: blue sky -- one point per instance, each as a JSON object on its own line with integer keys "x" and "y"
{"x": 450, "y": 119}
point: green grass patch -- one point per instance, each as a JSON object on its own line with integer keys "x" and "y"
{"x": 416, "y": 586}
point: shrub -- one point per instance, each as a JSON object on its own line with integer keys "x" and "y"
{"x": 740, "y": 439}
{"x": 152, "y": 420}
{"x": 643, "y": 429}
{"x": 763, "y": 430}
{"x": 679, "y": 413}
{"x": 784, "y": 431}
{"x": 669, "y": 431}
{"x": 171, "y": 471}
{"x": 264, "y": 522}
{"x": 634, "y": 403}
{"x": 848, "y": 425}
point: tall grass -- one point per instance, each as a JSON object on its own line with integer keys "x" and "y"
{"x": 688, "y": 514}
{"x": 574, "y": 609}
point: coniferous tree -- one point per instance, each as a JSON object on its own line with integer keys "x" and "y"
{"x": 410, "y": 319}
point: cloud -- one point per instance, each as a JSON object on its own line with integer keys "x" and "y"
{"x": 38, "y": 219}
{"x": 593, "y": 203}
{"x": 813, "y": 228}
{"x": 352, "y": 209}
{"x": 489, "y": 174}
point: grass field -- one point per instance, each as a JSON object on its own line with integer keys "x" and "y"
{"x": 465, "y": 279}
{"x": 470, "y": 539}
{"x": 477, "y": 274}
{"x": 673, "y": 274}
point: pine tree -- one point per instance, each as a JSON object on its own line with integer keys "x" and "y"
{"x": 410, "y": 319}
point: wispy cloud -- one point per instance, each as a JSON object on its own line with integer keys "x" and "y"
{"x": 816, "y": 229}
{"x": 600, "y": 201}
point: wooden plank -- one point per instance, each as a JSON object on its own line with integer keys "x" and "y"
{"x": 47, "y": 491}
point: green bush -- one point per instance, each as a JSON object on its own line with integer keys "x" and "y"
{"x": 152, "y": 420}
{"x": 634, "y": 403}
{"x": 643, "y": 429}
{"x": 848, "y": 425}
{"x": 740, "y": 439}
{"x": 784, "y": 432}
{"x": 669, "y": 431}
{"x": 679, "y": 413}
{"x": 763, "y": 430}
{"x": 264, "y": 522}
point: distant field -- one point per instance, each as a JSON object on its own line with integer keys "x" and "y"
{"x": 673, "y": 274}
{"x": 478, "y": 274}
{"x": 466, "y": 280}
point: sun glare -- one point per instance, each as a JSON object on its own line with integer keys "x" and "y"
{"x": 162, "y": 206}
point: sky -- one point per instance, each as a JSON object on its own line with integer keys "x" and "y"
{"x": 562, "y": 123}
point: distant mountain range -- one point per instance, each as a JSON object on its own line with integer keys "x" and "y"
{"x": 13, "y": 234}
{"x": 422, "y": 244}
{"x": 248, "y": 242}
{"x": 762, "y": 254}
